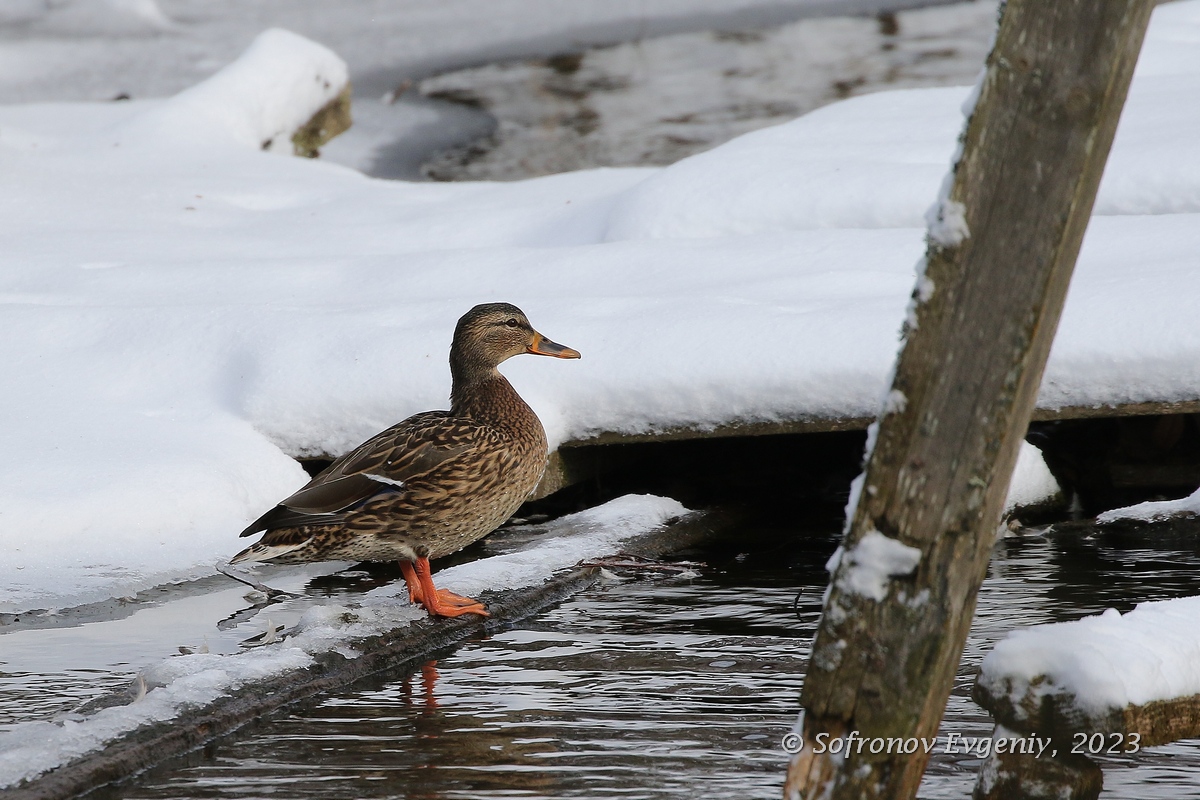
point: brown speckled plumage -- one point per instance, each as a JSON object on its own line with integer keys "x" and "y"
{"x": 434, "y": 483}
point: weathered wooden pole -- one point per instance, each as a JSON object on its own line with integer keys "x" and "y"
{"x": 1001, "y": 249}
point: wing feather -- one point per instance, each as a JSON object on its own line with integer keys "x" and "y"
{"x": 382, "y": 464}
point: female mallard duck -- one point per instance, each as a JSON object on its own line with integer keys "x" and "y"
{"x": 432, "y": 484}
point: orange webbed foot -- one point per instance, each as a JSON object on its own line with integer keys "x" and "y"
{"x": 438, "y": 602}
{"x": 449, "y": 604}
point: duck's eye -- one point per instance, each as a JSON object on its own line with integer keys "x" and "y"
{"x": 512, "y": 323}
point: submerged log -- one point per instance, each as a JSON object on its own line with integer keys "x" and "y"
{"x": 1002, "y": 246}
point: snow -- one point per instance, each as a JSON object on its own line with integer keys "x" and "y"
{"x": 175, "y": 684}
{"x": 568, "y": 540}
{"x": 947, "y": 222}
{"x": 878, "y": 161}
{"x": 95, "y": 49}
{"x": 185, "y": 312}
{"x": 866, "y": 568}
{"x": 1107, "y": 661}
{"x": 260, "y": 100}
{"x": 1155, "y": 510}
{"x": 1032, "y": 483}
{"x": 33, "y": 748}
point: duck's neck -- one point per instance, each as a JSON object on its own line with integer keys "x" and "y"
{"x": 484, "y": 395}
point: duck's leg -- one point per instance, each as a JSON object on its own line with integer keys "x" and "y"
{"x": 412, "y": 582}
{"x": 441, "y": 602}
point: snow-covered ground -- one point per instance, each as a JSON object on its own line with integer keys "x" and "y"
{"x": 184, "y": 311}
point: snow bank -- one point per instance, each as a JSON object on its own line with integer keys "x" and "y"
{"x": 184, "y": 312}
{"x": 260, "y": 100}
{"x": 589, "y": 534}
{"x": 1107, "y": 661}
{"x": 29, "y": 749}
{"x": 1155, "y": 510}
{"x": 824, "y": 170}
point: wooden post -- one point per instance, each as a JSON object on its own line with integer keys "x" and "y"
{"x": 1001, "y": 249}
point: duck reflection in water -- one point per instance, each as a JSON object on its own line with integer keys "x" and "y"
{"x": 428, "y": 699}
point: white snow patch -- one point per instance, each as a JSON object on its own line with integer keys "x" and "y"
{"x": 866, "y": 568}
{"x": 895, "y": 402}
{"x": 925, "y": 286}
{"x": 1155, "y": 510}
{"x": 947, "y": 221}
{"x": 1032, "y": 482}
{"x": 258, "y": 101}
{"x": 1106, "y": 661}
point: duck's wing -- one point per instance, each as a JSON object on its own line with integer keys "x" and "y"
{"x": 383, "y": 463}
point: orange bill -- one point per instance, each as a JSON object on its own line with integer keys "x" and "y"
{"x": 544, "y": 347}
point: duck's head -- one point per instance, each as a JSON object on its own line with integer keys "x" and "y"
{"x": 491, "y": 333}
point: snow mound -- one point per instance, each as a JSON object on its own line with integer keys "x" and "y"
{"x": 826, "y": 169}
{"x": 1107, "y": 661}
{"x": 1032, "y": 482}
{"x": 259, "y": 100}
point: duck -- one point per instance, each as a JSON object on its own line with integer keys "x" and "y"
{"x": 431, "y": 484}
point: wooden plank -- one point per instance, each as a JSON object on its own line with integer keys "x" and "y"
{"x": 577, "y": 460}
{"x": 679, "y": 433}
{"x": 998, "y": 265}
{"x": 1140, "y": 409}
{"x": 826, "y": 424}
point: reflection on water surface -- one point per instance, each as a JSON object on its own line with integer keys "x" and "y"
{"x": 662, "y": 687}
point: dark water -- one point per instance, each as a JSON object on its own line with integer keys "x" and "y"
{"x": 664, "y": 687}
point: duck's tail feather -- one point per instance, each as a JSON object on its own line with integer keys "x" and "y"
{"x": 269, "y": 552}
